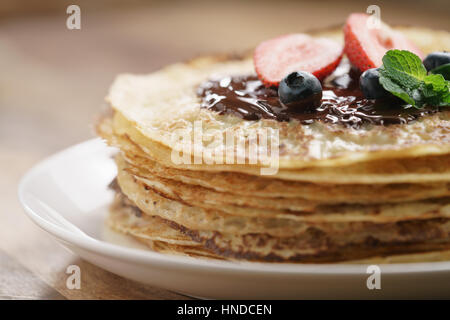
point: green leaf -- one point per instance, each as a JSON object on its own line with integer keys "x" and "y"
{"x": 446, "y": 97}
{"x": 444, "y": 70}
{"x": 436, "y": 83}
{"x": 404, "y": 75}
{"x": 391, "y": 86}
{"x": 404, "y": 63}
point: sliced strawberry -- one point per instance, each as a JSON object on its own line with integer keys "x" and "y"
{"x": 276, "y": 58}
{"x": 365, "y": 46}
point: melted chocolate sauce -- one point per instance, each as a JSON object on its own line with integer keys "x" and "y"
{"x": 342, "y": 102}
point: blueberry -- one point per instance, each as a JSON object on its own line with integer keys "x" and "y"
{"x": 370, "y": 84}
{"x": 436, "y": 59}
{"x": 300, "y": 91}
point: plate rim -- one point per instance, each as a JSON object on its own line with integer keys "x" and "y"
{"x": 149, "y": 257}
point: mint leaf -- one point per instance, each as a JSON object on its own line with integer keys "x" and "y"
{"x": 404, "y": 75}
{"x": 395, "y": 89}
{"x": 436, "y": 83}
{"x": 404, "y": 65}
{"x": 436, "y": 90}
{"x": 445, "y": 102}
{"x": 444, "y": 70}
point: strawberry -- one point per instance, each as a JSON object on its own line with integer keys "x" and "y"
{"x": 365, "y": 46}
{"x": 276, "y": 58}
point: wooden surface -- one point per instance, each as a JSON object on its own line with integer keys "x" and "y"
{"x": 52, "y": 84}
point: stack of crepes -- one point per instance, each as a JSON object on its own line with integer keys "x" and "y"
{"x": 339, "y": 194}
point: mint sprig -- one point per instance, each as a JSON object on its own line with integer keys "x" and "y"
{"x": 404, "y": 75}
{"x": 444, "y": 70}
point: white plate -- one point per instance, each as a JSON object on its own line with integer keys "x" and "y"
{"x": 67, "y": 196}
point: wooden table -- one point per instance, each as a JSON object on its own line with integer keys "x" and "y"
{"x": 52, "y": 84}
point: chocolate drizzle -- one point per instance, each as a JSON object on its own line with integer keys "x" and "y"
{"x": 342, "y": 102}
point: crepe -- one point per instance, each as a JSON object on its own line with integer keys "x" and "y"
{"x": 139, "y": 99}
{"x": 161, "y": 191}
{"x": 155, "y": 235}
{"x": 312, "y": 245}
{"x": 142, "y": 164}
{"x": 338, "y": 194}
{"x": 386, "y": 170}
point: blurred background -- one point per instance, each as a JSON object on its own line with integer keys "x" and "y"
{"x": 53, "y": 80}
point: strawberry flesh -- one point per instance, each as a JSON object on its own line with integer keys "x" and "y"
{"x": 276, "y": 58}
{"x": 366, "y": 46}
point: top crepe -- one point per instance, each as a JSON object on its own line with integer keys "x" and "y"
{"x": 158, "y": 104}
